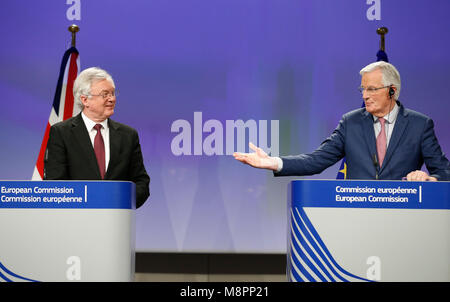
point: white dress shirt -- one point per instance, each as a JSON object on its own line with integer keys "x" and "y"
{"x": 92, "y": 133}
{"x": 390, "y": 118}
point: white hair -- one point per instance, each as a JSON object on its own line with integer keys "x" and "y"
{"x": 390, "y": 75}
{"x": 84, "y": 81}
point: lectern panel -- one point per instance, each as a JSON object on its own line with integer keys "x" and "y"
{"x": 369, "y": 231}
{"x": 67, "y": 231}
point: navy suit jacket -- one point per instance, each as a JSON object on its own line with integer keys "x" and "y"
{"x": 413, "y": 143}
{"x": 70, "y": 155}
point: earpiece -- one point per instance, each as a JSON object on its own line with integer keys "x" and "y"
{"x": 391, "y": 91}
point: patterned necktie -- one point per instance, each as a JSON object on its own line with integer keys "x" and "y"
{"x": 381, "y": 142}
{"x": 99, "y": 149}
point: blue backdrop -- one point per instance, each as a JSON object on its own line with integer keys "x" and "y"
{"x": 291, "y": 61}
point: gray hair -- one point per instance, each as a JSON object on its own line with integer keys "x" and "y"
{"x": 84, "y": 81}
{"x": 391, "y": 76}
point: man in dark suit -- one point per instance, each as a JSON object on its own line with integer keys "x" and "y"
{"x": 91, "y": 146}
{"x": 384, "y": 140}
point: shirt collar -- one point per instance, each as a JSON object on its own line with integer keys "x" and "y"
{"x": 90, "y": 123}
{"x": 391, "y": 116}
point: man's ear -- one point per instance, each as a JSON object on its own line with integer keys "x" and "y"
{"x": 84, "y": 100}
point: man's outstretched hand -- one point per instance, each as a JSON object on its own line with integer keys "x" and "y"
{"x": 258, "y": 159}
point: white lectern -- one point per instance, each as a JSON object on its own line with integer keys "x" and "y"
{"x": 67, "y": 231}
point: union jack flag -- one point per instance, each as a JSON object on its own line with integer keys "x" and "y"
{"x": 64, "y": 106}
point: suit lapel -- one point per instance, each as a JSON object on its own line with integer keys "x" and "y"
{"x": 399, "y": 128}
{"x": 369, "y": 133}
{"x": 82, "y": 136}
{"x": 114, "y": 146}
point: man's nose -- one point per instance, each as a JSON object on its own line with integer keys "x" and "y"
{"x": 365, "y": 95}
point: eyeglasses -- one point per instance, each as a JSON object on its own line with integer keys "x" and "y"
{"x": 371, "y": 90}
{"x": 106, "y": 94}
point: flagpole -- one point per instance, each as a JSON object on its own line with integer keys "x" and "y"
{"x": 382, "y": 31}
{"x": 74, "y": 29}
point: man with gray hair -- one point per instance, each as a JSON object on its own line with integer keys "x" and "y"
{"x": 383, "y": 140}
{"x": 91, "y": 146}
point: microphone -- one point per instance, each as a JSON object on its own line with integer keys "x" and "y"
{"x": 376, "y": 165}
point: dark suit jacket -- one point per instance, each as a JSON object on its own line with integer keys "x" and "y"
{"x": 413, "y": 142}
{"x": 70, "y": 155}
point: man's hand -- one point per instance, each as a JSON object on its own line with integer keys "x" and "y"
{"x": 419, "y": 176}
{"x": 259, "y": 159}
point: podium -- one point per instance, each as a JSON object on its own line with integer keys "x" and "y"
{"x": 67, "y": 231}
{"x": 368, "y": 231}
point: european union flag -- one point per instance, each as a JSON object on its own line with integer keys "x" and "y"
{"x": 382, "y": 56}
